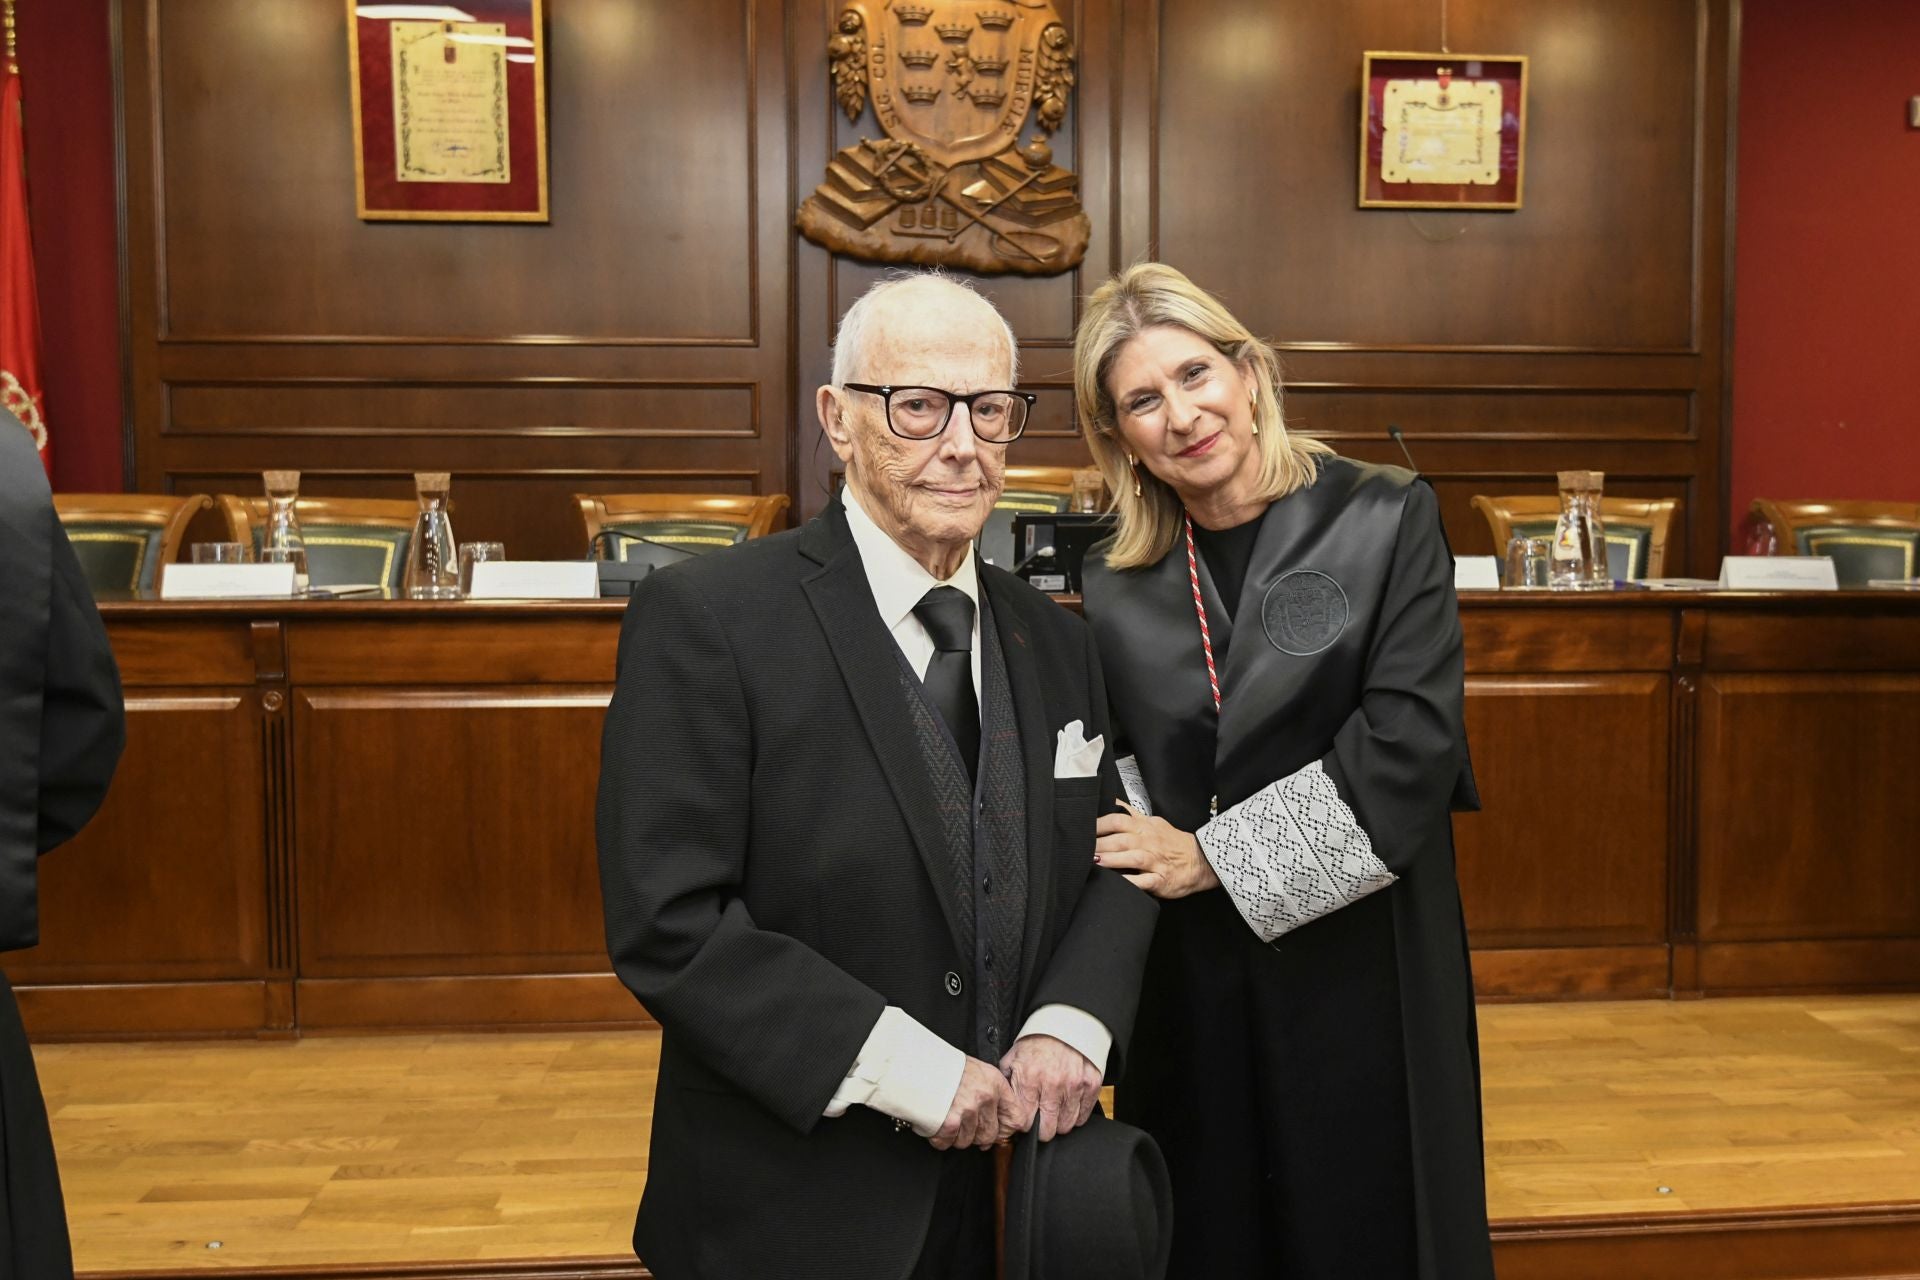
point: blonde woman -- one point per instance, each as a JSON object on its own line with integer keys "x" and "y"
{"x": 1281, "y": 642}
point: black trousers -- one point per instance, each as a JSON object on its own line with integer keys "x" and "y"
{"x": 960, "y": 1238}
{"x": 33, "y": 1219}
{"x": 1275, "y": 1083}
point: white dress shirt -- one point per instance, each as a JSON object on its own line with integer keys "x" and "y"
{"x": 904, "y": 1070}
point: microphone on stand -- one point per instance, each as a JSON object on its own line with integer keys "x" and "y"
{"x": 1393, "y": 433}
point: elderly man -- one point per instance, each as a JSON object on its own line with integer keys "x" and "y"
{"x": 846, "y": 827}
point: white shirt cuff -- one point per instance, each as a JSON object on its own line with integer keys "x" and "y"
{"x": 1079, "y": 1029}
{"x": 904, "y": 1071}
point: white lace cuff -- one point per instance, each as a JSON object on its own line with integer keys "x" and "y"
{"x": 1292, "y": 852}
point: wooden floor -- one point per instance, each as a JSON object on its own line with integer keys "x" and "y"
{"x": 414, "y": 1149}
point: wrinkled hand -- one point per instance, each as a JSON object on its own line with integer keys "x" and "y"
{"x": 1154, "y": 854}
{"x": 984, "y": 1111}
{"x": 1055, "y": 1083}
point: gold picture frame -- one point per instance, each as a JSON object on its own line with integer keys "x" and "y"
{"x": 1442, "y": 130}
{"x": 449, "y": 111}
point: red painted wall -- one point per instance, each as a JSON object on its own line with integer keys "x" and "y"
{"x": 66, "y": 69}
{"x": 1826, "y": 374}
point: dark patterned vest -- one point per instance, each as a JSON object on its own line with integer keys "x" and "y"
{"x": 985, "y": 830}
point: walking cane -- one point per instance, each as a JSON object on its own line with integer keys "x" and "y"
{"x": 1002, "y": 1169}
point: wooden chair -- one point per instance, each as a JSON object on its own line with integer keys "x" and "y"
{"x": 1636, "y": 528}
{"x": 122, "y": 539}
{"x": 691, "y": 522}
{"x": 1866, "y": 539}
{"x": 1047, "y": 490}
{"x": 350, "y": 541}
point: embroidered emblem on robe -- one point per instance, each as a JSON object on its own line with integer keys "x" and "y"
{"x": 1304, "y": 612}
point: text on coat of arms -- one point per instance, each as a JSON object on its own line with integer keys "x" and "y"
{"x": 949, "y": 185}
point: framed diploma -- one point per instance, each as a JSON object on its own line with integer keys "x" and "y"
{"x": 1442, "y": 131}
{"x": 449, "y": 111}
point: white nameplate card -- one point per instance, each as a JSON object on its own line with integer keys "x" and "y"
{"x": 535, "y": 580}
{"x": 1778, "y": 573}
{"x": 1476, "y": 573}
{"x": 226, "y": 581}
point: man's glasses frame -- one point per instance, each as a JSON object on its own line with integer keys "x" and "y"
{"x": 887, "y": 393}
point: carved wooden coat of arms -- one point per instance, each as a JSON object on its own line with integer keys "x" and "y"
{"x": 950, "y": 185}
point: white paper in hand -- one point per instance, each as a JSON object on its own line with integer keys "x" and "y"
{"x": 1135, "y": 784}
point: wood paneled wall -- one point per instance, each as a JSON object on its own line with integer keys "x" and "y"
{"x": 667, "y": 329}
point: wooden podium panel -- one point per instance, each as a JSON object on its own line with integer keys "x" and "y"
{"x": 1569, "y": 849}
{"x": 1570, "y": 844}
{"x": 1809, "y": 829}
{"x": 446, "y": 833}
{"x": 155, "y": 916}
{"x": 166, "y": 883}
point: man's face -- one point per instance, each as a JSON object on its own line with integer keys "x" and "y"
{"x": 931, "y": 496}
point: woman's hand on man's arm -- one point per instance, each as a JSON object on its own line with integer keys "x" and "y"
{"x": 1153, "y": 854}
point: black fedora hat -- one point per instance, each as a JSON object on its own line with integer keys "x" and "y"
{"x": 1093, "y": 1203}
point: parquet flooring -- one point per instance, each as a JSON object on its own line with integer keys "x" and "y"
{"x": 424, "y": 1148}
{"x": 1592, "y": 1108}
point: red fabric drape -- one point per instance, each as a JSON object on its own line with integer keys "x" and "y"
{"x": 22, "y": 389}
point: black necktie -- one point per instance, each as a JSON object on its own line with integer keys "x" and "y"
{"x": 947, "y": 614}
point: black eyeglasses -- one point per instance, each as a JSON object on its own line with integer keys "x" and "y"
{"x": 921, "y": 413}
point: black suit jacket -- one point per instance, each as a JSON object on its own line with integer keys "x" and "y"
{"x": 61, "y": 721}
{"x": 770, "y": 856}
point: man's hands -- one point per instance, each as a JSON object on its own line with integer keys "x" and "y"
{"x": 1153, "y": 854}
{"x": 1041, "y": 1081}
{"x": 1057, "y": 1087}
{"x": 984, "y": 1111}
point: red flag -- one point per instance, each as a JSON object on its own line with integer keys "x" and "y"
{"x": 21, "y": 390}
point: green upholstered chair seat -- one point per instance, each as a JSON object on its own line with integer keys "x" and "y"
{"x": 996, "y": 536}
{"x": 1861, "y": 553}
{"x": 116, "y": 555}
{"x": 353, "y": 554}
{"x": 1627, "y": 544}
{"x": 696, "y": 537}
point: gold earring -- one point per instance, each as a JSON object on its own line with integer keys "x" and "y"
{"x": 1133, "y": 464}
{"x": 1253, "y": 403}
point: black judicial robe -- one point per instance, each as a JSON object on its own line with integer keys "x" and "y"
{"x": 1317, "y": 1098}
{"x": 61, "y": 728}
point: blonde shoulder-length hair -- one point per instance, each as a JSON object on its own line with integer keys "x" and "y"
{"x": 1149, "y": 295}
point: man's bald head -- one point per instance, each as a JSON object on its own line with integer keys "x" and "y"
{"x": 923, "y": 308}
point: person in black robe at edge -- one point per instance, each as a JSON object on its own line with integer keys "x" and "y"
{"x": 1282, "y": 646}
{"x": 61, "y": 729}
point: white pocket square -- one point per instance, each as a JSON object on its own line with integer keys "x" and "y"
{"x": 1073, "y": 755}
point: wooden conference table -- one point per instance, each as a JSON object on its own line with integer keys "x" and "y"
{"x": 341, "y": 815}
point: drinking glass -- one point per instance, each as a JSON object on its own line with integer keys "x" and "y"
{"x": 219, "y": 553}
{"x": 472, "y": 553}
{"x": 1529, "y": 564}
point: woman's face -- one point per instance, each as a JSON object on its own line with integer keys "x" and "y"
{"x": 1184, "y": 410}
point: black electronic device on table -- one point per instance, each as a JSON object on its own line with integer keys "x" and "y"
{"x": 631, "y": 560}
{"x": 1050, "y": 547}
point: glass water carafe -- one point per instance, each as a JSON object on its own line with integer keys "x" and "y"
{"x": 281, "y": 541}
{"x": 433, "y": 566}
{"x": 1579, "y": 542}
{"x": 1599, "y": 568}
